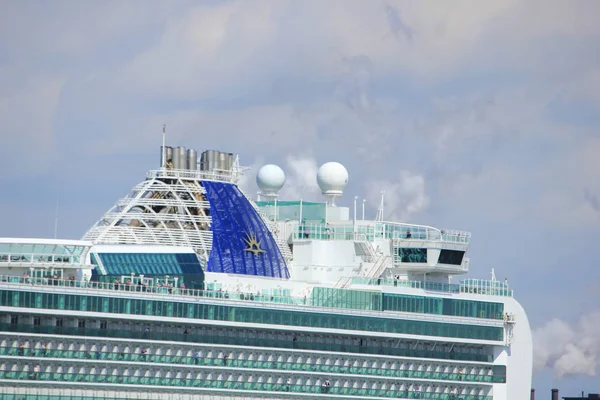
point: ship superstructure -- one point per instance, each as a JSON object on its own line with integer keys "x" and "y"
{"x": 187, "y": 288}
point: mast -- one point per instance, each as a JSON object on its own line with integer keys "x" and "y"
{"x": 164, "y": 149}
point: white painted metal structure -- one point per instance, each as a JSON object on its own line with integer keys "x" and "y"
{"x": 259, "y": 359}
{"x": 168, "y": 208}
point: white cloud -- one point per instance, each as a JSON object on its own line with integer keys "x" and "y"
{"x": 206, "y": 51}
{"x": 238, "y": 45}
{"x": 404, "y": 196}
{"x": 568, "y": 350}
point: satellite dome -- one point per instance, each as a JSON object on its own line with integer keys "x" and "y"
{"x": 332, "y": 179}
{"x": 270, "y": 179}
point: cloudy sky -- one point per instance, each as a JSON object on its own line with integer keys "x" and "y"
{"x": 474, "y": 115}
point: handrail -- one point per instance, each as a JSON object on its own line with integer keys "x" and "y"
{"x": 318, "y": 389}
{"x": 213, "y": 175}
{"x": 480, "y": 287}
{"x": 219, "y": 297}
{"x": 81, "y": 335}
{"x": 347, "y": 367}
{"x": 387, "y": 230}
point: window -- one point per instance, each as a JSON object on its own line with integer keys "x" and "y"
{"x": 59, "y": 322}
{"x": 410, "y": 255}
{"x": 37, "y": 321}
{"x": 81, "y": 323}
{"x": 14, "y": 319}
{"x": 499, "y": 373}
{"x": 103, "y": 324}
{"x": 451, "y": 257}
{"x": 264, "y": 315}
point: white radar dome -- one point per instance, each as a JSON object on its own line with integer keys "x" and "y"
{"x": 270, "y": 179}
{"x": 332, "y": 179}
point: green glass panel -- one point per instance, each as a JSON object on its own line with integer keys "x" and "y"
{"x": 285, "y": 317}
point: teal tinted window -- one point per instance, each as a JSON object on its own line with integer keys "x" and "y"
{"x": 241, "y": 338}
{"x": 252, "y": 315}
{"x": 434, "y": 305}
{"x": 149, "y": 263}
{"x": 452, "y": 257}
{"x": 409, "y": 255}
{"x": 344, "y": 298}
{"x": 291, "y": 210}
{"x": 499, "y": 373}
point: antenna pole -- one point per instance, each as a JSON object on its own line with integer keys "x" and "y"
{"x": 164, "y": 140}
{"x": 363, "y": 209}
{"x": 354, "y": 224}
{"x": 56, "y": 218}
{"x": 301, "y": 197}
{"x": 379, "y": 216}
{"x": 382, "y": 199}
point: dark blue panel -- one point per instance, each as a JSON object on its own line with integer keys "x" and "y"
{"x": 242, "y": 243}
{"x": 150, "y": 263}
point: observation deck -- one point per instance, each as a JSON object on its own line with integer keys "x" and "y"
{"x": 414, "y": 248}
{"x": 319, "y": 297}
{"x": 470, "y": 286}
{"x": 44, "y": 256}
{"x": 379, "y": 230}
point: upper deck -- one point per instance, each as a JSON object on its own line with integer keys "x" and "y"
{"x": 37, "y": 255}
{"x": 469, "y": 286}
{"x": 370, "y": 231}
{"x": 353, "y": 298}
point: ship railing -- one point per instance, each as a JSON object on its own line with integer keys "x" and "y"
{"x": 155, "y": 380}
{"x": 220, "y": 296}
{"x": 327, "y": 232}
{"x": 388, "y": 230}
{"x": 482, "y": 287}
{"x": 377, "y": 268}
{"x": 482, "y": 374}
{"x": 401, "y": 231}
{"x": 135, "y": 287}
{"x": 197, "y": 175}
{"x": 471, "y": 286}
{"x": 40, "y": 333}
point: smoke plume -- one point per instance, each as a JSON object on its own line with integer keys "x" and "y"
{"x": 403, "y": 198}
{"x": 567, "y": 350}
{"x": 301, "y": 178}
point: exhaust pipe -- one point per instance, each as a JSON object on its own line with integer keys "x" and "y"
{"x": 532, "y": 394}
{"x": 554, "y": 394}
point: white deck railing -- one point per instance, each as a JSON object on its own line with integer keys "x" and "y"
{"x": 218, "y": 297}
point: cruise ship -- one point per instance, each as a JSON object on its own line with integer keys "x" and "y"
{"x": 189, "y": 288}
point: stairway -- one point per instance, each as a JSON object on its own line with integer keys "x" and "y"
{"x": 377, "y": 268}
